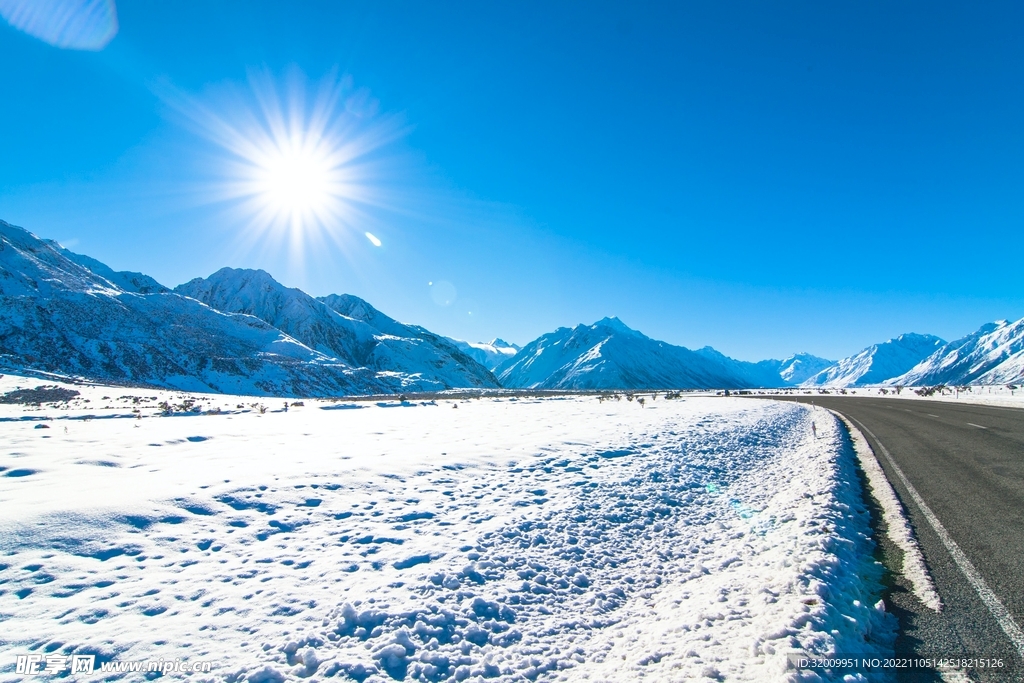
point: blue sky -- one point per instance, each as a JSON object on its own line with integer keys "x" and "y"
{"x": 765, "y": 178}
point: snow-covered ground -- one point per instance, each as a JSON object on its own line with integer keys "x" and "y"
{"x": 502, "y": 538}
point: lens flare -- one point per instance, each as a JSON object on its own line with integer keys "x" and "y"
{"x": 69, "y": 24}
{"x": 296, "y": 166}
{"x": 443, "y": 293}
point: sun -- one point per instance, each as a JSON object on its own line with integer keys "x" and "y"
{"x": 294, "y": 181}
{"x": 298, "y": 162}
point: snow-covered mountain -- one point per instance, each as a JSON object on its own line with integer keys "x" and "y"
{"x": 878, "y": 362}
{"x": 412, "y": 349}
{"x": 800, "y": 367}
{"x": 256, "y": 293}
{"x": 992, "y": 355}
{"x": 610, "y": 355}
{"x": 344, "y": 327}
{"x": 66, "y": 313}
{"x": 126, "y": 280}
{"x": 489, "y": 354}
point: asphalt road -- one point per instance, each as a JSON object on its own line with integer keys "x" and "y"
{"x": 966, "y": 463}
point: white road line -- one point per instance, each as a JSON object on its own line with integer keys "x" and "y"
{"x": 930, "y": 415}
{"x": 978, "y": 426}
{"x": 1002, "y": 615}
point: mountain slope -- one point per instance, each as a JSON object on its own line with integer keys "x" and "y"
{"x": 256, "y": 293}
{"x": 58, "y": 315}
{"x": 342, "y": 326}
{"x": 761, "y": 374}
{"x": 878, "y": 362}
{"x": 412, "y": 349}
{"x": 992, "y": 355}
{"x": 126, "y": 280}
{"x": 610, "y": 355}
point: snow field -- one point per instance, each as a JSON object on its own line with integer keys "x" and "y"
{"x": 532, "y": 539}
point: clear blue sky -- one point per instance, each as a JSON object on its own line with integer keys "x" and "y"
{"x": 763, "y": 177}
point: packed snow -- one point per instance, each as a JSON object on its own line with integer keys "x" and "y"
{"x": 897, "y": 526}
{"x": 574, "y": 538}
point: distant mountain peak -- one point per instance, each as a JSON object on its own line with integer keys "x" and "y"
{"x": 992, "y": 326}
{"x": 803, "y": 354}
{"x": 613, "y": 323}
{"x": 800, "y": 367}
{"x": 914, "y": 337}
{"x": 491, "y": 355}
{"x": 710, "y": 352}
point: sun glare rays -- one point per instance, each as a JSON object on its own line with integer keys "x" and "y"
{"x": 298, "y": 168}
